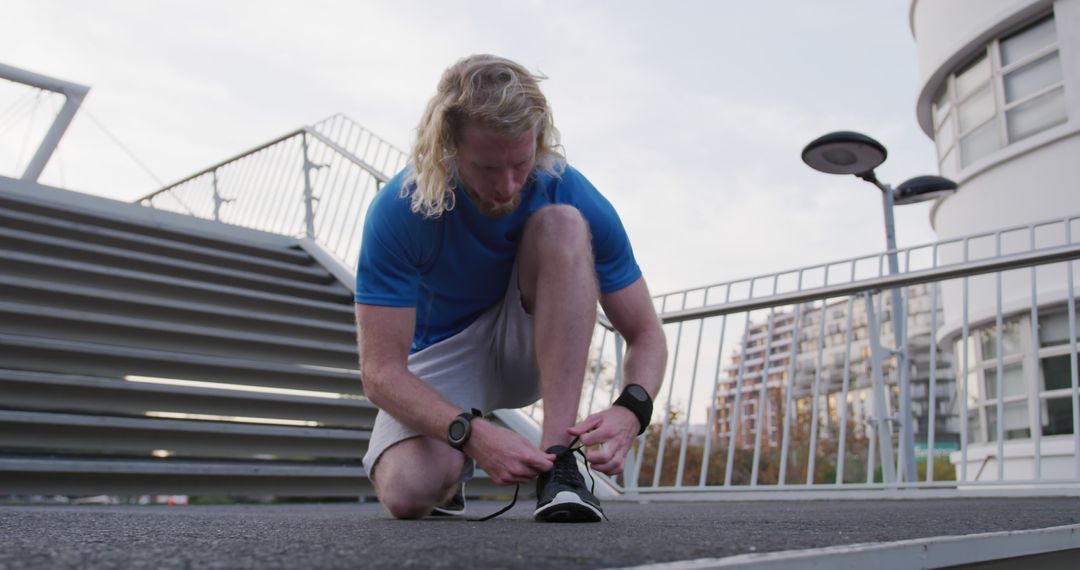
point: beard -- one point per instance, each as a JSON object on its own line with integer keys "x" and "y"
{"x": 491, "y": 209}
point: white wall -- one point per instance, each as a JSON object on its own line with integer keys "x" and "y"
{"x": 1041, "y": 184}
{"x": 1056, "y": 460}
{"x": 1028, "y": 181}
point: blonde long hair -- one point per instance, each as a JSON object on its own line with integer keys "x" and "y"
{"x": 489, "y": 90}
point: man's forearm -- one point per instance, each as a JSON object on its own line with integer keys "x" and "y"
{"x": 646, "y": 359}
{"x": 631, "y": 311}
{"x": 411, "y": 401}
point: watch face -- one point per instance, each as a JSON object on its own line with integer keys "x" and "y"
{"x": 457, "y": 429}
{"x": 637, "y": 392}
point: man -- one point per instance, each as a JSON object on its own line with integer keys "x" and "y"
{"x": 479, "y": 273}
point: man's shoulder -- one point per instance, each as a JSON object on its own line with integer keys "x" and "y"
{"x": 393, "y": 202}
{"x": 568, "y": 182}
{"x": 391, "y": 193}
{"x": 561, "y": 172}
{"x": 570, "y": 186}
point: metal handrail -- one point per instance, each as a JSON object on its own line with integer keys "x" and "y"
{"x": 73, "y": 94}
{"x": 906, "y": 253}
{"x": 225, "y": 162}
{"x": 381, "y": 177}
{"x": 903, "y": 279}
{"x": 962, "y": 269}
{"x": 314, "y": 182}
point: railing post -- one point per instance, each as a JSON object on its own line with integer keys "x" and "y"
{"x": 218, "y": 200}
{"x": 309, "y": 193}
{"x": 880, "y": 411}
{"x": 903, "y": 369}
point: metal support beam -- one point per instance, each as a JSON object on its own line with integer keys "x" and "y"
{"x": 881, "y": 414}
{"x": 73, "y": 92}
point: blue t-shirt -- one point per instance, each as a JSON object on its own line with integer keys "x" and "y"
{"x": 453, "y": 267}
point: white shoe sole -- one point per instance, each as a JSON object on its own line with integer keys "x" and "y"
{"x": 567, "y": 507}
{"x": 439, "y": 512}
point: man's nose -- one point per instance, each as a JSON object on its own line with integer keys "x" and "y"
{"x": 506, "y": 185}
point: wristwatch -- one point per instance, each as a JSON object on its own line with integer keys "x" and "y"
{"x": 457, "y": 435}
{"x": 637, "y": 400}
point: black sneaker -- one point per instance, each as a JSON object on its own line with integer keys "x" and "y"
{"x": 454, "y": 507}
{"x": 561, "y": 495}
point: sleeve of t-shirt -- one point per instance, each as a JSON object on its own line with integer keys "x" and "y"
{"x": 387, "y": 272}
{"x": 616, "y": 266}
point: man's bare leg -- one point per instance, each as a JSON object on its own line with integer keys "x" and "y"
{"x": 557, "y": 279}
{"x": 414, "y": 476}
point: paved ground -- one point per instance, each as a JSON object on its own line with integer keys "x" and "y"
{"x": 361, "y": 535}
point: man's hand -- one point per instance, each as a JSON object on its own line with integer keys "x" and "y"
{"x": 504, "y": 455}
{"x": 614, "y": 430}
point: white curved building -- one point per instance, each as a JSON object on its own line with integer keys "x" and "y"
{"x": 1000, "y": 97}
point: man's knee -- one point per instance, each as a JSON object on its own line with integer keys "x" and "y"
{"x": 406, "y": 497}
{"x": 559, "y": 220}
{"x": 416, "y": 475}
{"x": 559, "y": 227}
{"x": 404, "y": 506}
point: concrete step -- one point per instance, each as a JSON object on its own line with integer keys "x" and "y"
{"x": 24, "y": 431}
{"x": 139, "y": 242}
{"x": 79, "y": 208}
{"x": 41, "y": 391}
{"x": 149, "y": 352}
{"x": 125, "y": 281}
{"x": 92, "y": 326}
{"x": 80, "y": 357}
{"x": 66, "y": 475}
{"x": 121, "y": 258}
{"x": 46, "y": 293}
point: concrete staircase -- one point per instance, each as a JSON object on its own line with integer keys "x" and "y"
{"x": 130, "y": 343}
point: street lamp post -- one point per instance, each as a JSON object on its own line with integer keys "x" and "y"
{"x": 847, "y": 152}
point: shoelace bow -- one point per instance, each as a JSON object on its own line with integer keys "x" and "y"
{"x": 570, "y": 450}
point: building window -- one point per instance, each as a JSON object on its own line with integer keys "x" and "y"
{"x": 1010, "y": 91}
{"x": 1053, "y": 407}
{"x": 1056, "y": 407}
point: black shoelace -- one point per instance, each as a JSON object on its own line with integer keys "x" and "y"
{"x": 570, "y": 450}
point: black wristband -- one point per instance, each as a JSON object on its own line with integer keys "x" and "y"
{"x": 637, "y": 400}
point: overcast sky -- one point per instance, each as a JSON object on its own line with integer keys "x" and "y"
{"x": 689, "y": 115}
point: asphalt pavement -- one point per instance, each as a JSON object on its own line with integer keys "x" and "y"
{"x": 358, "y": 535}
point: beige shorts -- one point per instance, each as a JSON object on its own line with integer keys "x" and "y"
{"x": 489, "y": 365}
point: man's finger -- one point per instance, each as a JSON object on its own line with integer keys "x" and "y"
{"x": 540, "y": 464}
{"x": 522, "y": 475}
{"x": 595, "y": 436}
{"x": 612, "y": 468}
{"x": 588, "y": 424}
{"x": 599, "y": 457}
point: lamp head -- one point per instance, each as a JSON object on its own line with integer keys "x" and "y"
{"x": 923, "y": 188}
{"x": 844, "y": 152}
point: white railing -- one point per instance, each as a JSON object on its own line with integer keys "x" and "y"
{"x": 314, "y": 182}
{"x": 775, "y": 383}
{"x": 21, "y": 108}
